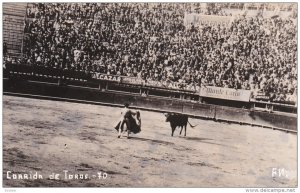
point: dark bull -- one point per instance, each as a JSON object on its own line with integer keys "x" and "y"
{"x": 178, "y": 120}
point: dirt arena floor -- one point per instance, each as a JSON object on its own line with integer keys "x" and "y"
{"x": 68, "y": 138}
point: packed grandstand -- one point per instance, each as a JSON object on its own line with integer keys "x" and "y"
{"x": 153, "y": 42}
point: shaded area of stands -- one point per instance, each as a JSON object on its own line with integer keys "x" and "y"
{"x": 13, "y": 27}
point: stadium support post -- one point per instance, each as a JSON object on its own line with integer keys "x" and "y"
{"x": 181, "y": 96}
{"x": 59, "y": 82}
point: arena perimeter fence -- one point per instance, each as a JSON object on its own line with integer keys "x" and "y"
{"x": 80, "y": 87}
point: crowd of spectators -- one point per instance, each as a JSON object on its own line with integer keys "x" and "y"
{"x": 149, "y": 41}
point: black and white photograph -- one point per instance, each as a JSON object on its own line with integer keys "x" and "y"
{"x": 150, "y": 95}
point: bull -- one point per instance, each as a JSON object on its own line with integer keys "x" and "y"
{"x": 178, "y": 120}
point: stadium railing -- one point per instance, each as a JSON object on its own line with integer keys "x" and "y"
{"x": 132, "y": 84}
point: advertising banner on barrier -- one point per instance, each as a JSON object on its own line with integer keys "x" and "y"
{"x": 132, "y": 80}
{"x": 150, "y": 83}
{"x": 198, "y": 19}
{"x": 225, "y": 93}
{"x": 100, "y": 76}
{"x": 170, "y": 85}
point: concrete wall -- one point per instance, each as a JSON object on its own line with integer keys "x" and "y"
{"x": 246, "y": 116}
{"x": 161, "y": 104}
{"x": 203, "y": 110}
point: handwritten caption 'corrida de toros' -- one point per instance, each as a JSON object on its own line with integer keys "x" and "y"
{"x": 65, "y": 175}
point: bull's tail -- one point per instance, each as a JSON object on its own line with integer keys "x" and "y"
{"x": 191, "y": 124}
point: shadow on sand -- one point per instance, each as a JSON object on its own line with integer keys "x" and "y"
{"x": 202, "y": 140}
{"x": 196, "y": 138}
{"x": 151, "y": 140}
{"x": 205, "y": 140}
